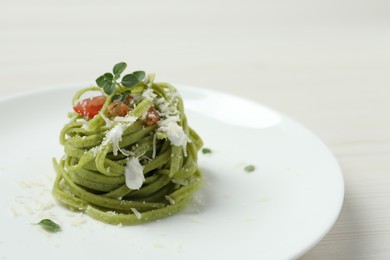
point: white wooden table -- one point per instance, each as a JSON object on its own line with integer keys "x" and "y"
{"x": 324, "y": 63}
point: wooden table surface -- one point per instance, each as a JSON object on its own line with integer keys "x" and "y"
{"x": 324, "y": 63}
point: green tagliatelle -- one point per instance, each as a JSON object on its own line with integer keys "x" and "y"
{"x": 103, "y": 155}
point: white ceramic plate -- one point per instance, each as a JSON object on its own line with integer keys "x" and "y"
{"x": 279, "y": 211}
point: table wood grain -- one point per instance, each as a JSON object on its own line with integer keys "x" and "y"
{"x": 324, "y": 63}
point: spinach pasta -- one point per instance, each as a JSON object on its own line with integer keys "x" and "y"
{"x": 130, "y": 155}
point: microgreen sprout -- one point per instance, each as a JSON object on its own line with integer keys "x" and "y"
{"x": 110, "y": 81}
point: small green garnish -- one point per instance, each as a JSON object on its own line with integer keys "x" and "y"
{"x": 206, "y": 150}
{"x": 109, "y": 81}
{"x": 49, "y": 225}
{"x": 250, "y": 168}
{"x": 118, "y": 69}
{"x": 140, "y": 75}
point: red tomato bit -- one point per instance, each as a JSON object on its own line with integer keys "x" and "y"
{"x": 90, "y": 107}
{"x": 152, "y": 116}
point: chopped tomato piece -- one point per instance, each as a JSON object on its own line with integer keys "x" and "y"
{"x": 117, "y": 108}
{"x": 90, "y": 107}
{"x": 128, "y": 100}
{"x": 152, "y": 116}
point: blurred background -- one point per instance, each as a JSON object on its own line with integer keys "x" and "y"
{"x": 324, "y": 63}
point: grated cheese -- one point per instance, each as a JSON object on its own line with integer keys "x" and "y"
{"x": 85, "y": 123}
{"x": 136, "y": 213}
{"x": 95, "y": 150}
{"x": 195, "y": 219}
{"x": 175, "y": 133}
{"x": 115, "y": 136}
{"x": 78, "y": 220}
{"x": 180, "y": 182}
{"x": 157, "y": 245}
{"x": 169, "y": 125}
{"x": 148, "y": 94}
{"x": 108, "y": 121}
{"x": 134, "y": 175}
{"x": 14, "y": 212}
{"x": 127, "y": 119}
{"x": 172, "y": 201}
{"x": 154, "y": 146}
{"x": 46, "y": 205}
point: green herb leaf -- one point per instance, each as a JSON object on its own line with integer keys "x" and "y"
{"x": 140, "y": 75}
{"x": 108, "y": 76}
{"x": 101, "y": 81}
{"x": 250, "y": 168}
{"x": 119, "y": 68}
{"x": 116, "y": 97}
{"x": 109, "y": 88}
{"x": 206, "y": 150}
{"x": 109, "y": 81}
{"x": 124, "y": 96}
{"x": 129, "y": 80}
{"x": 104, "y": 80}
{"x": 49, "y": 225}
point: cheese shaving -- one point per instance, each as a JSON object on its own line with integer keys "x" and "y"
{"x": 136, "y": 213}
{"x": 134, "y": 175}
{"x": 169, "y": 125}
{"x": 180, "y": 182}
{"x": 172, "y": 201}
{"x": 148, "y": 94}
{"x": 109, "y": 123}
{"x": 115, "y": 136}
{"x": 127, "y": 119}
{"x": 175, "y": 133}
